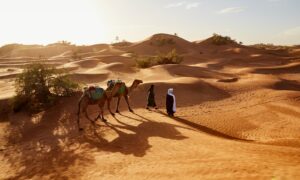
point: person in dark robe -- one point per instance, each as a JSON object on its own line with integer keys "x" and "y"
{"x": 151, "y": 98}
{"x": 170, "y": 102}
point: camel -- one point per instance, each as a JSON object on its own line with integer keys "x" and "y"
{"x": 124, "y": 93}
{"x": 85, "y": 101}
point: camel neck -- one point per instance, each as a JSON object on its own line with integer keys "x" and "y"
{"x": 130, "y": 89}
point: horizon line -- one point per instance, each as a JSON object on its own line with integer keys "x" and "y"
{"x": 124, "y": 40}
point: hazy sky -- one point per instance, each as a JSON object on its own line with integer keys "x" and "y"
{"x": 99, "y": 21}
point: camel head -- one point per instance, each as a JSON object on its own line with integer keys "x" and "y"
{"x": 138, "y": 81}
{"x": 135, "y": 83}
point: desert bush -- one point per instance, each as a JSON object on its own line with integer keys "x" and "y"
{"x": 62, "y": 85}
{"x": 161, "y": 41}
{"x": 221, "y": 40}
{"x": 63, "y": 42}
{"x": 39, "y": 86}
{"x": 123, "y": 43}
{"x": 170, "y": 58}
{"x": 75, "y": 56}
{"x": 270, "y": 46}
{"x": 144, "y": 62}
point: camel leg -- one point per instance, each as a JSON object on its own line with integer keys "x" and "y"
{"x": 86, "y": 115}
{"x": 117, "y": 110}
{"x": 108, "y": 107}
{"x": 84, "y": 109}
{"x": 78, "y": 123}
{"x": 127, "y": 101}
{"x": 101, "y": 114}
{"x": 81, "y": 107}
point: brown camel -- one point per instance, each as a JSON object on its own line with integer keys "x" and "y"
{"x": 85, "y": 101}
{"x": 124, "y": 91}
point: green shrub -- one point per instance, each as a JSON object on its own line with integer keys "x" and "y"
{"x": 39, "y": 86}
{"x": 161, "y": 41}
{"x": 124, "y": 43}
{"x": 221, "y": 40}
{"x": 63, "y": 86}
{"x": 170, "y": 58}
{"x": 270, "y": 46}
{"x": 144, "y": 62}
{"x": 75, "y": 56}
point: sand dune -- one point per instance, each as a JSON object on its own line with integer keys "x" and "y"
{"x": 285, "y": 69}
{"x": 160, "y": 43}
{"x": 238, "y": 114}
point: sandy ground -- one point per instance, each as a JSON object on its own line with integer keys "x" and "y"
{"x": 238, "y": 117}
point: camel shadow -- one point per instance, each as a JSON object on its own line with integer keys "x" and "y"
{"x": 134, "y": 140}
{"x": 142, "y": 119}
{"x": 49, "y": 144}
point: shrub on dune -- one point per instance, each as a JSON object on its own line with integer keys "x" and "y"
{"x": 144, "y": 62}
{"x": 170, "y": 58}
{"x": 221, "y": 40}
{"x": 162, "y": 41}
{"x": 62, "y": 85}
{"x": 38, "y": 86}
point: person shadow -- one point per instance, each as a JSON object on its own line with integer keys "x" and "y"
{"x": 202, "y": 128}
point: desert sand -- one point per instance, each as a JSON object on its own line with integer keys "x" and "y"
{"x": 238, "y": 115}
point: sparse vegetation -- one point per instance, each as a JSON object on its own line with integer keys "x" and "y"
{"x": 75, "y": 55}
{"x": 170, "y": 58}
{"x": 123, "y": 43}
{"x": 221, "y": 40}
{"x": 39, "y": 86}
{"x": 61, "y": 43}
{"x": 270, "y": 46}
{"x": 162, "y": 41}
{"x": 145, "y": 62}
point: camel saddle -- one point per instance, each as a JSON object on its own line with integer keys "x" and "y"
{"x": 111, "y": 84}
{"x": 94, "y": 92}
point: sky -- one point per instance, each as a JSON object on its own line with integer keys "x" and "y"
{"x": 100, "y": 21}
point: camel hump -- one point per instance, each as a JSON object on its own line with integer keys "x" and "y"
{"x": 111, "y": 83}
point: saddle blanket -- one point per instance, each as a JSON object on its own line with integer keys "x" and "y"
{"x": 111, "y": 84}
{"x": 95, "y": 93}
